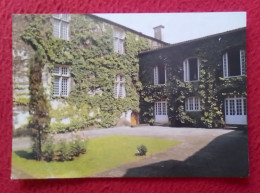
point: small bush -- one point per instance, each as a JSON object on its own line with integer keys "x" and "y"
{"x": 142, "y": 150}
{"x": 77, "y": 148}
{"x": 64, "y": 152}
{"x": 48, "y": 150}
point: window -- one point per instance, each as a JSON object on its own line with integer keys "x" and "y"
{"x": 120, "y": 87}
{"x": 160, "y": 108}
{"x": 192, "y": 104}
{"x": 159, "y": 74}
{"x": 235, "y": 105}
{"x": 119, "y": 40}
{"x": 234, "y": 63}
{"x": 61, "y": 26}
{"x": 61, "y": 81}
{"x": 191, "y": 69}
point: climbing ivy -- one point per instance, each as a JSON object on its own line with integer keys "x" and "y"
{"x": 93, "y": 66}
{"x": 212, "y": 88}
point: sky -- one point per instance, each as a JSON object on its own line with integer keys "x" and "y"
{"x": 180, "y": 26}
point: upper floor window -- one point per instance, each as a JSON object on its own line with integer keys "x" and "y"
{"x": 119, "y": 41}
{"x": 234, "y": 62}
{"x": 191, "y": 69}
{"x": 192, "y": 104}
{"x": 120, "y": 87}
{"x": 159, "y": 74}
{"x": 61, "y": 84}
{"x": 61, "y": 26}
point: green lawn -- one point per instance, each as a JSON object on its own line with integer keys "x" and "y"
{"x": 102, "y": 153}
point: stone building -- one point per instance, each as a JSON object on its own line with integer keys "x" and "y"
{"x": 199, "y": 83}
{"x": 89, "y": 69}
{"x": 97, "y": 73}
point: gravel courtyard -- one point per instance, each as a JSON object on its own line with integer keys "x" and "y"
{"x": 202, "y": 152}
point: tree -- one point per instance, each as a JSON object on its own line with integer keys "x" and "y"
{"x": 38, "y": 106}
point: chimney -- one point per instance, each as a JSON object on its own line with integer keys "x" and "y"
{"x": 158, "y": 32}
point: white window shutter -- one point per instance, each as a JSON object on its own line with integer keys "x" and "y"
{"x": 56, "y": 28}
{"x": 225, "y": 65}
{"x": 64, "y": 31}
{"x": 198, "y": 63}
{"x": 123, "y": 91}
{"x": 115, "y": 91}
{"x": 155, "y": 69}
{"x": 56, "y": 86}
{"x": 242, "y": 62}
{"x": 165, "y": 74}
{"x": 116, "y": 44}
{"x": 64, "y": 87}
{"x": 185, "y": 68}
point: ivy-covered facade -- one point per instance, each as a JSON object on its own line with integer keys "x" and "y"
{"x": 82, "y": 70}
{"x": 199, "y": 83}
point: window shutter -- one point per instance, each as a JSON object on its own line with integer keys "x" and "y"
{"x": 225, "y": 65}
{"x": 242, "y": 62}
{"x": 198, "y": 63}
{"x": 155, "y": 75}
{"x": 56, "y": 28}
{"x": 64, "y": 30}
{"x": 64, "y": 87}
{"x": 116, "y": 44}
{"x": 185, "y": 68}
{"x": 115, "y": 91}
{"x": 56, "y": 86}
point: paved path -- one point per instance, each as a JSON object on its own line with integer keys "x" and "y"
{"x": 203, "y": 152}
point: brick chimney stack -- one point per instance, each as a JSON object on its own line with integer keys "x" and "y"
{"x": 158, "y": 32}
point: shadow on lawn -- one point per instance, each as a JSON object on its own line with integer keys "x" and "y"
{"x": 25, "y": 154}
{"x": 225, "y": 156}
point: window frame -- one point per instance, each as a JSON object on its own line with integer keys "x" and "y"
{"x": 60, "y": 22}
{"x": 195, "y": 102}
{"x": 242, "y": 59}
{"x": 234, "y": 110}
{"x": 156, "y": 75}
{"x": 119, "y": 40}
{"x": 120, "y": 90}
{"x": 61, "y": 76}
{"x": 186, "y": 70}
{"x": 161, "y": 108}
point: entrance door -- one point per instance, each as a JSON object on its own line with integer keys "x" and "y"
{"x": 134, "y": 118}
{"x": 160, "y": 112}
{"x": 236, "y": 110}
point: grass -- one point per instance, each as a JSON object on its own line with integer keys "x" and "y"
{"x": 103, "y": 153}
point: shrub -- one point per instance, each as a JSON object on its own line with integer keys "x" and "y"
{"x": 142, "y": 150}
{"x": 64, "y": 152}
{"x": 48, "y": 153}
{"x": 78, "y": 147}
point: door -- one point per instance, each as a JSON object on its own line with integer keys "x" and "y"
{"x": 160, "y": 112}
{"x": 236, "y": 110}
{"x": 134, "y": 118}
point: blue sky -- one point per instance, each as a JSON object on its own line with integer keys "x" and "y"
{"x": 181, "y": 26}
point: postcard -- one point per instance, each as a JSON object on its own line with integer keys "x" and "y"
{"x": 129, "y": 95}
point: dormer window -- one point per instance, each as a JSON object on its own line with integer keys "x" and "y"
{"x": 234, "y": 63}
{"x": 61, "y": 26}
{"x": 191, "y": 69}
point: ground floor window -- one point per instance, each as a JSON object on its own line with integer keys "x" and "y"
{"x": 236, "y": 110}
{"x": 192, "y": 104}
{"x": 235, "y": 105}
{"x": 161, "y": 108}
{"x": 61, "y": 84}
